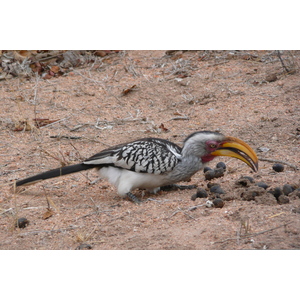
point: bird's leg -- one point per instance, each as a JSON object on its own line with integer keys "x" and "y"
{"x": 175, "y": 187}
{"x": 133, "y": 198}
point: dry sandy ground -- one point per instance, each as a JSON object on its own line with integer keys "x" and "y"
{"x": 248, "y": 95}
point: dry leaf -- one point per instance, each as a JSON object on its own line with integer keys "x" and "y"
{"x": 49, "y": 213}
{"x": 100, "y": 53}
{"x": 21, "y": 54}
{"x": 55, "y": 69}
{"x": 37, "y": 67}
{"x": 47, "y": 76}
{"x": 43, "y": 122}
{"x": 163, "y": 128}
{"x": 126, "y": 91}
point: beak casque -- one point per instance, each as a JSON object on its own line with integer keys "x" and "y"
{"x": 237, "y": 148}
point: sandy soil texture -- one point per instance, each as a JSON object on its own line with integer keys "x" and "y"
{"x": 64, "y": 118}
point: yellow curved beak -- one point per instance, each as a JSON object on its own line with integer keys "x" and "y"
{"x": 237, "y": 148}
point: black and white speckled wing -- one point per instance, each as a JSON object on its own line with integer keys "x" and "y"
{"x": 149, "y": 155}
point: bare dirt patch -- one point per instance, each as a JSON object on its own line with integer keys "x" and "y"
{"x": 127, "y": 95}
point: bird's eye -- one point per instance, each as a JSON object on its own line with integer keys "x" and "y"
{"x": 212, "y": 146}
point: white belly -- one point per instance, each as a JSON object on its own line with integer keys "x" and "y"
{"x": 126, "y": 181}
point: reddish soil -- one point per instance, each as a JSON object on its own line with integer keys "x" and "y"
{"x": 249, "y": 95}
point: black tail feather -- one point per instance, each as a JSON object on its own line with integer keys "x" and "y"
{"x": 54, "y": 173}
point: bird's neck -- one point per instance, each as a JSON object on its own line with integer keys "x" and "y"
{"x": 207, "y": 158}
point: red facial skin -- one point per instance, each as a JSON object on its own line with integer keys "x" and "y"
{"x": 211, "y": 146}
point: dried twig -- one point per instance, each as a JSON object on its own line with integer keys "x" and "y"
{"x": 181, "y": 210}
{"x": 179, "y": 118}
{"x": 50, "y": 231}
{"x": 280, "y": 162}
{"x": 281, "y": 60}
{"x": 5, "y": 211}
{"x": 48, "y": 125}
{"x": 65, "y": 137}
{"x": 35, "y": 94}
{"x": 252, "y": 234}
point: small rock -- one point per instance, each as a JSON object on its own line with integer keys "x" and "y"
{"x": 201, "y": 193}
{"x": 209, "y": 175}
{"x": 206, "y": 169}
{"x": 282, "y": 199}
{"x": 276, "y": 192}
{"x": 219, "y": 203}
{"x": 22, "y": 223}
{"x": 271, "y": 77}
{"x": 217, "y": 189}
{"x": 287, "y": 189}
{"x": 194, "y": 197}
{"x": 84, "y": 247}
{"x": 262, "y": 184}
{"x": 219, "y": 172}
{"x": 221, "y": 165}
{"x": 216, "y": 173}
{"x": 249, "y": 178}
{"x": 278, "y": 167}
{"x": 210, "y": 184}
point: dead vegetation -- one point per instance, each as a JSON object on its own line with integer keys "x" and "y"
{"x": 61, "y": 107}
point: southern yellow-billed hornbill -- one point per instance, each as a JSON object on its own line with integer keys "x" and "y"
{"x": 151, "y": 163}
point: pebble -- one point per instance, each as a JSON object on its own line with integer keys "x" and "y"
{"x": 221, "y": 165}
{"x": 215, "y": 173}
{"x": 276, "y": 192}
{"x": 206, "y": 169}
{"x": 209, "y": 175}
{"x": 219, "y": 172}
{"x": 194, "y": 197}
{"x": 249, "y": 178}
{"x": 22, "y": 223}
{"x": 287, "y": 189}
{"x": 219, "y": 203}
{"x": 271, "y": 77}
{"x": 84, "y": 247}
{"x": 201, "y": 193}
{"x": 262, "y": 184}
{"x": 210, "y": 184}
{"x": 278, "y": 167}
{"x": 217, "y": 189}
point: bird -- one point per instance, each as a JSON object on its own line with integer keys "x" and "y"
{"x": 154, "y": 163}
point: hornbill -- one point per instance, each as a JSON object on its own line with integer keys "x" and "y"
{"x": 151, "y": 163}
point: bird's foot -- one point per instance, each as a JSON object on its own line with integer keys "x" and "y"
{"x": 175, "y": 187}
{"x": 133, "y": 198}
